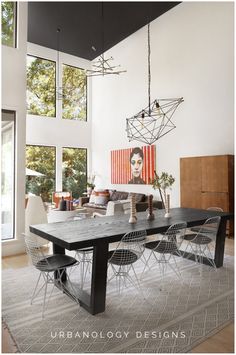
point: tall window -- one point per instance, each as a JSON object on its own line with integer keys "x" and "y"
{"x": 8, "y": 23}
{"x": 41, "y": 86}
{"x": 74, "y": 84}
{"x": 7, "y": 177}
{"x": 40, "y": 171}
{"x": 74, "y": 162}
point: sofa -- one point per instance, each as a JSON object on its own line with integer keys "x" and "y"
{"x": 98, "y": 200}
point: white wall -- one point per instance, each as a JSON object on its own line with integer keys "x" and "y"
{"x": 14, "y": 98}
{"x": 191, "y": 56}
{"x": 56, "y": 131}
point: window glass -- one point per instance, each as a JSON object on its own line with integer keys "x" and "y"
{"x": 7, "y": 174}
{"x": 74, "y": 171}
{"x": 40, "y": 171}
{"x": 74, "y": 103}
{"x": 8, "y": 23}
{"x": 41, "y": 87}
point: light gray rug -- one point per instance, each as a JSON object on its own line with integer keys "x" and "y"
{"x": 171, "y": 320}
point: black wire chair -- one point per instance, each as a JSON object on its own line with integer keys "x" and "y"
{"x": 52, "y": 270}
{"x": 121, "y": 260}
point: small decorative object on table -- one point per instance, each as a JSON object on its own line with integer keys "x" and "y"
{"x": 133, "y": 218}
{"x": 161, "y": 183}
{"x": 150, "y": 215}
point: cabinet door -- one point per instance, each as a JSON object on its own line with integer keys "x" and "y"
{"x": 215, "y": 199}
{"x": 190, "y": 182}
{"x": 215, "y": 174}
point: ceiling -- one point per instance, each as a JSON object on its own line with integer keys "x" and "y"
{"x": 81, "y": 24}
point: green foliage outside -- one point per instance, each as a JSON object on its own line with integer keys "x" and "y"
{"x": 41, "y": 159}
{"x": 8, "y": 23}
{"x": 41, "y": 90}
{"x": 74, "y": 178}
{"x": 41, "y": 86}
{"x": 74, "y": 84}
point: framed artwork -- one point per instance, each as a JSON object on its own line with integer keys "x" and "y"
{"x": 133, "y": 165}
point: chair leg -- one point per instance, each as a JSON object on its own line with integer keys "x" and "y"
{"x": 34, "y": 292}
{"x": 44, "y": 298}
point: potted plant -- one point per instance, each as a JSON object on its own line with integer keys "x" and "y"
{"x": 163, "y": 182}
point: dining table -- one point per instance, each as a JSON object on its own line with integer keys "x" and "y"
{"x": 101, "y": 231}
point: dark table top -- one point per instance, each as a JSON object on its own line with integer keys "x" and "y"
{"x": 77, "y": 234}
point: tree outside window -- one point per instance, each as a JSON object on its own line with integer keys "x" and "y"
{"x": 74, "y": 171}
{"x": 41, "y": 87}
{"x": 41, "y": 159}
{"x": 8, "y": 23}
{"x": 74, "y": 84}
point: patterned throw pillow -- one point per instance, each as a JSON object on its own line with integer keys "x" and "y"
{"x": 102, "y": 197}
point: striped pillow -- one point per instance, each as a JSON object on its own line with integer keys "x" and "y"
{"x": 102, "y": 197}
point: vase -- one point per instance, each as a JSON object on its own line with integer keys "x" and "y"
{"x": 167, "y": 206}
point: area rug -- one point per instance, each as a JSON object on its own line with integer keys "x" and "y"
{"x": 168, "y": 317}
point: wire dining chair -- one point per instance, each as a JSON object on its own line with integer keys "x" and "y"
{"x": 165, "y": 249}
{"x": 196, "y": 229}
{"x": 199, "y": 243}
{"x": 121, "y": 260}
{"x": 52, "y": 270}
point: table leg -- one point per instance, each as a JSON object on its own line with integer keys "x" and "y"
{"x": 99, "y": 279}
{"x": 59, "y": 250}
{"x": 220, "y": 243}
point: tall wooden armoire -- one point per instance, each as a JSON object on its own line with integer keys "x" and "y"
{"x": 208, "y": 181}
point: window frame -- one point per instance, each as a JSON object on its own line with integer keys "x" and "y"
{"x": 55, "y": 165}
{"x": 73, "y": 119}
{"x": 14, "y": 178}
{"x": 15, "y": 26}
{"x": 55, "y": 90}
{"x": 86, "y": 151}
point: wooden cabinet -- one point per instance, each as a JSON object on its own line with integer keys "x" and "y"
{"x": 208, "y": 182}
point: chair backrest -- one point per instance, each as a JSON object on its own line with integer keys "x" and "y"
{"x": 35, "y": 252}
{"x": 176, "y": 231}
{"x": 35, "y": 213}
{"x": 210, "y": 228}
{"x": 56, "y": 197}
{"x": 219, "y": 209}
{"x": 132, "y": 244}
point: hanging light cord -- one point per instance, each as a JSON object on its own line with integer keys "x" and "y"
{"x": 149, "y": 70}
{"x": 58, "y": 50}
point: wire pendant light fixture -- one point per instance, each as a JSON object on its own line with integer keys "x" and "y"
{"x": 103, "y": 66}
{"x": 59, "y": 89}
{"x": 154, "y": 121}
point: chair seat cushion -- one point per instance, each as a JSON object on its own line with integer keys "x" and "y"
{"x": 122, "y": 257}
{"x": 54, "y": 262}
{"x": 162, "y": 246}
{"x": 198, "y": 238}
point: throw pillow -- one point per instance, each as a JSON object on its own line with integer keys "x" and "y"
{"x": 102, "y": 197}
{"x": 119, "y": 195}
{"x": 92, "y": 197}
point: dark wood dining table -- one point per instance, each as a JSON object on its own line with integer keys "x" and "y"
{"x": 100, "y": 232}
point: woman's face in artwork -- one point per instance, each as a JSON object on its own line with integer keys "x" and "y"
{"x": 136, "y": 165}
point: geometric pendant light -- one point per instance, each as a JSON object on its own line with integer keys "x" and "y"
{"x": 155, "y": 120}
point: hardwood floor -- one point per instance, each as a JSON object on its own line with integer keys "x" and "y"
{"x": 221, "y": 342}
